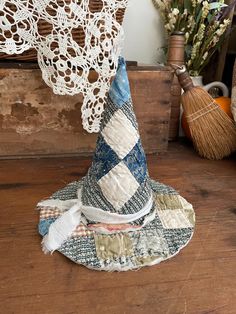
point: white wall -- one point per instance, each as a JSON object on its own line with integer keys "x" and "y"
{"x": 144, "y": 33}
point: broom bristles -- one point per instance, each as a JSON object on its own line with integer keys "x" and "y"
{"x": 212, "y": 131}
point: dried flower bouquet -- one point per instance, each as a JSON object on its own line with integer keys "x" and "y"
{"x": 204, "y": 24}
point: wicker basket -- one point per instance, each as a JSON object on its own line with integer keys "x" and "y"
{"x": 45, "y": 29}
{"x": 233, "y": 98}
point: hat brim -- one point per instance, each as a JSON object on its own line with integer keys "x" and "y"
{"x": 122, "y": 250}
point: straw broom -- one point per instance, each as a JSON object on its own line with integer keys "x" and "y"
{"x": 213, "y": 132}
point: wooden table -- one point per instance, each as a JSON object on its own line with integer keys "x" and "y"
{"x": 201, "y": 279}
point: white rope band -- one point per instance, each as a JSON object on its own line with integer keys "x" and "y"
{"x": 62, "y": 228}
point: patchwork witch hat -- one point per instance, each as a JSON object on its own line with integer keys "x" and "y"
{"x": 116, "y": 217}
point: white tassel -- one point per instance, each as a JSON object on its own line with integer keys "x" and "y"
{"x": 62, "y": 229}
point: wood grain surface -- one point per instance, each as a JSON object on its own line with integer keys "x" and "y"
{"x": 34, "y": 121}
{"x": 200, "y": 280}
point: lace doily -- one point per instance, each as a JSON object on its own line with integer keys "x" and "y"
{"x": 64, "y": 63}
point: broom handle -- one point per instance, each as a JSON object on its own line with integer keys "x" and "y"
{"x": 185, "y": 80}
{"x": 176, "y": 56}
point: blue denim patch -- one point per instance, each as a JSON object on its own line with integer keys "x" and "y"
{"x": 120, "y": 90}
{"x": 136, "y": 162}
{"x": 44, "y": 225}
{"x": 104, "y": 159}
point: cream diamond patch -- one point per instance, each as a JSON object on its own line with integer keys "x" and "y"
{"x": 120, "y": 134}
{"x": 118, "y": 185}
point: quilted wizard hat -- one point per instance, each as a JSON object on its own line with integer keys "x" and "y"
{"x": 116, "y": 217}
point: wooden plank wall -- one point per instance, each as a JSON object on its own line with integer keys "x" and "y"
{"x": 35, "y": 122}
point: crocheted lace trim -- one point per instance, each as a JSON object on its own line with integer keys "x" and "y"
{"x": 64, "y": 64}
